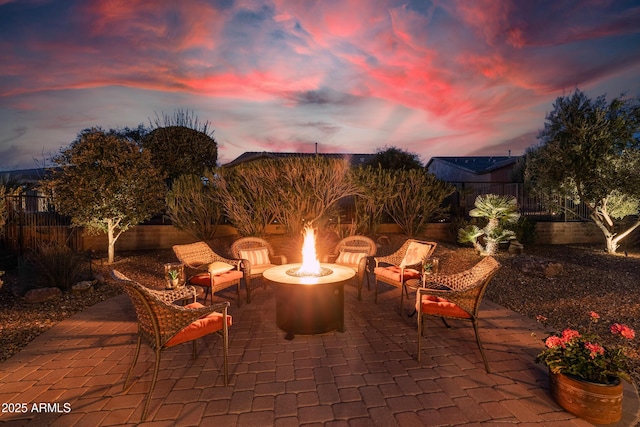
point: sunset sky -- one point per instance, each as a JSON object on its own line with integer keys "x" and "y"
{"x": 437, "y": 78}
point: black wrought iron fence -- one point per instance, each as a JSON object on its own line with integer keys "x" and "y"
{"x": 556, "y": 209}
{"x": 31, "y": 220}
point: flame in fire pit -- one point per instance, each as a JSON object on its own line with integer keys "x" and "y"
{"x": 310, "y": 264}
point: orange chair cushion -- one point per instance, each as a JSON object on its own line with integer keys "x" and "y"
{"x": 199, "y": 328}
{"x": 393, "y": 273}
{"x": 441, "y": 307}
{"x": 203, "y": 279}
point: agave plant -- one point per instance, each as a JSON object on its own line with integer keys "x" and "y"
{"x": 499, "y": 212}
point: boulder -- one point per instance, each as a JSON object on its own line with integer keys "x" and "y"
{"x": 42, "y": 295}
{"x": 536, "y": 266}
{"x": 98, "y": 279}
{"x": 85, "y": 286}
{"x": 515, "y": 247}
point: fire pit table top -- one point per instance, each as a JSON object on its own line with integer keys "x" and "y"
{"x": 279, "y": 274}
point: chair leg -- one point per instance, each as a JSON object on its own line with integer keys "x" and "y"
{"x": 445, "y": 322}
{"x": 247, "y": 285}
{"x": 420, "y": 330}
{"x": 403, "y": 288}
{"x": 375, "y": 298}
{"x": 484, "y": 358}
{"x": 153, "y": 385}
{"x": 225, "y": 345}
{"x": 194, "y": 351}
{"x": 207, "y": 290}
{"x": 238, "y": 287}
{"x": 135, "y": 360}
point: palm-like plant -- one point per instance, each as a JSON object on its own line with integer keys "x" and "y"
{"x": 499, "y": 211}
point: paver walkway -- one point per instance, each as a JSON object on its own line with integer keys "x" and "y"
{"x": 365, "y": 376}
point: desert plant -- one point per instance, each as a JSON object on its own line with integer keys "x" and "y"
{"x": 55, "y": 265}
{"x": 499, "y": 212}
{"x": 415, "y": 196}
{"x": 245, "y": 198}
{"x": 193, "y": 205}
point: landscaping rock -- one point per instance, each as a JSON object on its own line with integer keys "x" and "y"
{"x": 515, "y": 247}
{"x": 85, "y": 286}
{"x": 41, "y": 295}
{"x": 552, "y": 269}
{"x": 98, "y": 279}
{"x": 536, "y": 266}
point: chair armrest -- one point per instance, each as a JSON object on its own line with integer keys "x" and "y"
{"x": 282, "y": 260}
{"x": 171, "y": 295}
{"x": 329, "y": 259}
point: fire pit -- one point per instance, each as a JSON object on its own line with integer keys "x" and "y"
{"x": 310, "y": 295}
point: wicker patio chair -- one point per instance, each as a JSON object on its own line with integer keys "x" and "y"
{"x": 162, "y": 324}
{"x": 402, "y": 265}
{"x": 257, "y": 255}
{"x": 354, "y": 252}
{"x": 456, "y": 296}
{"x": 210, "y": 270}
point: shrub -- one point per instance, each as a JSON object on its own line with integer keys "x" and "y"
{"x": 56, "y": 266}
{"x": 525, "y": 230}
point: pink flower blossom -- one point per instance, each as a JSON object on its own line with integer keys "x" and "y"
{"x": 623, "y": 330}
{"x": 541, "y": 318}
{"x": 594, "y": 349}
{"x": 554, "y": 341}
{"x": 569, "y": 334}
{"x": 594, "y": 316}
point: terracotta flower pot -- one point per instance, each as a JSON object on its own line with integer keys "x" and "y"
{"x": 594, "y": 402}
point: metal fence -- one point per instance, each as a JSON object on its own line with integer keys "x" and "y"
{"x": 556, "y": 209}
{"x": 31, "y": 220}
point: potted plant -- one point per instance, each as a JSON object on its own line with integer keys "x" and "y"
{"x": 174, "y": 277}
{"x": 585, "y": 372}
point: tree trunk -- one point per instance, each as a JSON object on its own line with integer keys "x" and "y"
{"x": 112, "y": 242}
{"x": 612, "y": 239}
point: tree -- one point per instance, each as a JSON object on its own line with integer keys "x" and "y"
{"x": 499, "y": 212}
{"x": 590, "y": 152}
{"x": 180, "y": 144}
{"x": 106, "y": 184}
{"x": 395, "y": 158}
{"x": 193, "y": 204}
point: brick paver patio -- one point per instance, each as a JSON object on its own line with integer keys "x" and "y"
{"x": 365, "y": 376}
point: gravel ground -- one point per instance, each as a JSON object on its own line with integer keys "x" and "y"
{"x": 590, "y": 280}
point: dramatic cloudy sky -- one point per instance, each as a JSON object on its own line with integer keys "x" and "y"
{"x": 441, "y": 77}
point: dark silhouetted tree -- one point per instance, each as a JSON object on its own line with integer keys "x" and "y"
{"x": 180, "y": 144}
{"x": 395, "y": 158}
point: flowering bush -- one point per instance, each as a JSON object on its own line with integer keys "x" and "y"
{"x": 584, "y": 354}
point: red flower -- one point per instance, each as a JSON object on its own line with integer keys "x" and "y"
{"x": 623, "y": 330}
{"x": 554, "y": 341}
{"x": 569, "y": 334}
{"x": 594, "y": 349}
{"x": 594, "y": 316}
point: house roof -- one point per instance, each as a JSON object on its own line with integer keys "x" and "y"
{"x": 25, "y": 175}
{"x": 477, "y": 164}
{"x": 355, "y": 159}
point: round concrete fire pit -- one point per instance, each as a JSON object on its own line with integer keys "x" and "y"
{"x": 309, "y": 305}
